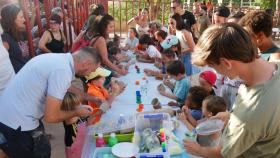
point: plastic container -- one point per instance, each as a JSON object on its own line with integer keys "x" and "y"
{"x": 110, "y": 126}
{"x": 103, "y": 152}
{"x": 121, "y": 137}
{"x": 155, "y": 122}
{"x": 100, "y": 141}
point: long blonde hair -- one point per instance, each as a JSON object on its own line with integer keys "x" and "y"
{"x": 70, "y": 101}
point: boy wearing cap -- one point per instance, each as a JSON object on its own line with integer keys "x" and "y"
{"x": 207, "y": 80}
{"x": 95, "y": 84}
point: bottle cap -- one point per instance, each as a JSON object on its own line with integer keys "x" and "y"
{"x": 113, "y": 135}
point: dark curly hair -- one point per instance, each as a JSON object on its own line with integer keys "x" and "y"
{"x": 257, "y": 21}
{"x": 198, "y": 94}
{"x": 175, "y": 68}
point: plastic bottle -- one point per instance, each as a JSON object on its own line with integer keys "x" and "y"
{"x": 100, "y": 141}
{"x": 112, "y": 140}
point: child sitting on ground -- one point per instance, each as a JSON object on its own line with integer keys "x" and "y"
{"x": 95, "y": 84}
{"x": 167, "y": 56}
{"x": 176, "y": 70}
{"x": 132, "y": 40}
{"x": 207, "y": 80}
{"x": 211, "y": 106}
{"x": 150, "y": 53}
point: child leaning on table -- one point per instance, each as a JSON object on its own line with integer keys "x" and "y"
{"x": 211, "y": 106}
{"x": 95, "y": 82}
{"x": 176, "y": 70}
{"x": 149, "y": 53}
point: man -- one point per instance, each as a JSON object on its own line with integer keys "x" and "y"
{"x": 253, "y": 126}
{"x": 6, "y": 68}
{"x": 221, "y": 15}
{"x": 36, "y": 92}
{"x": 188, "y": 17}
{"x": 259, "y": 24}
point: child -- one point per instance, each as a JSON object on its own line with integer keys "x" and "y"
{"x": 172, "y": 42}
{"x": 176, "y": 70}
{"x": 193, "y": 103}
{"x": 207, "y": 80}
{"x": 95, "y": 84}
{"x": 75, "y": 128}
{"x": 167, "y": 56}
{"x": 117, "y": 40}
{"x": 150, "y": 53}
{"x": 211, "y": 106}
{"x": 132, "y": 40}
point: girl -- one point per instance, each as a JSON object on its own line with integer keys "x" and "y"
{"x": 184, "y": 35}
{"x": 53, "y": 40}
{"x": 103, "y": 25}
{"x": 132, "y": 40}
{"x": 142, "y": 22}
{"x": 150, "y": 53}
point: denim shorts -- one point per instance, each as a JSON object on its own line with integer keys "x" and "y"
{"x": 24, "y": 144}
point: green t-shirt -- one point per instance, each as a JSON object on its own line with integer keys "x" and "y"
{"x": 254, "y": 126}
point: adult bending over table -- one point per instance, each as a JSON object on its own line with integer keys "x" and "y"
{"x": 36, "y": 92}
{"x": 253, "y": 126}
{"x": 103, "y": 25}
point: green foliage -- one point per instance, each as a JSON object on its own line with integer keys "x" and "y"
{"x": 267, "y": 3}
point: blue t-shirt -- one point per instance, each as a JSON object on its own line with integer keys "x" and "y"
{"x": 23, "y": 100}
{"x": 196, "y": 114}
{"x": 181, "y": 89}
{"x": 131, "y": 43}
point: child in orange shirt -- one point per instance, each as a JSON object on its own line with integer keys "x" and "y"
{"x": 95, "y": 84}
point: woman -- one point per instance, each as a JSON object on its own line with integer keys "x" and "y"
{"x": 102, "y": 26}
{"x": 53, "y": 40}
{"x": 142, "y": 22}
{"x": 184, "y": 35}
{"x": 14, "y": 37}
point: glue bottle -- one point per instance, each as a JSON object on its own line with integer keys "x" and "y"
{"x": 112, "y": 140}
{"x": 100, "y": 141}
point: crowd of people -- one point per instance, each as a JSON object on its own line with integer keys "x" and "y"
{"x": 230, "y": 54}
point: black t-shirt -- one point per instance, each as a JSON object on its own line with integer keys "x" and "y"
{"x": 188, "y": 18}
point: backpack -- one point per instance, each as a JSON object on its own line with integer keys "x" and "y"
{"x": 83, "y": 42}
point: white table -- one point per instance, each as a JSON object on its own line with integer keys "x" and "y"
{"x": 126, "y": 102}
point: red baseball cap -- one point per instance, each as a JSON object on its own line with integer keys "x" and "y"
{"x": 209, "y": 76}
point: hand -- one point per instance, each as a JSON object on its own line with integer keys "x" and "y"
{"x": 185, "y": 110}
{"x": 192, "y": 147}
{"x": 84, "y": 111}
{"x": 182, "y": 116}
{"x": 166, "y": 82}
{"x": 105, "y": 106}
{"x": 123, "y": 71}
{"x": 115, "y": 87}
{"x": 224, "y": 116}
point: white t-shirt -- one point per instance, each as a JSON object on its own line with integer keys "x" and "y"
{"x": 6, "y": 69}
{"x": 23, "y": 101}
{"x": 153, "y": 52}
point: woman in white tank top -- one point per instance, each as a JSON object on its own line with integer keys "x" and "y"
{"x": 142, "y": 22}
{"x": 175, "y": 22}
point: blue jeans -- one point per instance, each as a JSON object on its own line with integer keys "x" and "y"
{"x": 186, "y": 58}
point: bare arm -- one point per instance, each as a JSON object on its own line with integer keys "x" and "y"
{"x": 169, "y": 95}
{"x": 100, "y": 45}
{"x": 189, "y": 40}
{"x": 53, "y": 113}
{"x": 207, "y": 152}
{"x": 43, "y": 41}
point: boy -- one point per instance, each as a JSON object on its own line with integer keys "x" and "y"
{"x": 176, "y": 70}
{"x": 207, "y": 80}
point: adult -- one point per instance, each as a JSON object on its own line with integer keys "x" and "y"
{"x": 188, "y": 17}
{"x": 14, "y": 37}
{"x": 68, "y": 23}
{"x": 53, "y": 40}
{"x": 6, "y": 69}
{"x": 196, "y": 6}
{"x": 221, "y": 15}
{"x": 203, "y": 21}
{"x": 95, "y": 10}
{"x": 228, "y": 49}
{"x": 209, "y": 6}
{"x": 142, "y": 22}
{"x": 37, "y": 92}
{"x": 259, "y": 24}
{"x": 184, "y": 35}
{"x": 102, "y": 26}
